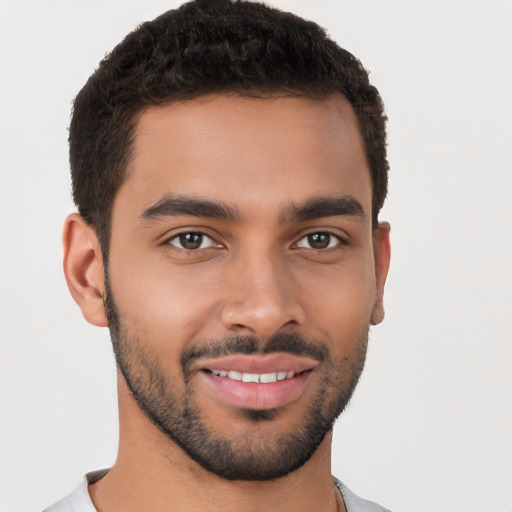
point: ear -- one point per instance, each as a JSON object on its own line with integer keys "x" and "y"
{"x": 382, "y": 250}
{"x": 83, "y": 268}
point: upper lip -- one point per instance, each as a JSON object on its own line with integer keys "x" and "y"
{"x": 259, "y": 363}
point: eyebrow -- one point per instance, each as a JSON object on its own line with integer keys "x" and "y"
{"x": 170, "y": 206}
{"x": 320, "y": 207}
{"x": 316, "y": 208}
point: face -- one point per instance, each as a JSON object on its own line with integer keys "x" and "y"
{"x": 243, "y": 276}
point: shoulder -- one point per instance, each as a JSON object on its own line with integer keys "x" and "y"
{"x": 79, "y": 500}
{"x": 354, "y": 503}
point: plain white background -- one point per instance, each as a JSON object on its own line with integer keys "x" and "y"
{"x": 430, "y": 427}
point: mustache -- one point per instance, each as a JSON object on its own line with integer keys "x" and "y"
{"x": 290, "y": 343}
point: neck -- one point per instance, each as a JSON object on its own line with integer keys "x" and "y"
{"x": 152, "y": 473}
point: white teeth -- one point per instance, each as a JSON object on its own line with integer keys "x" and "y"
{"x": 261, "y": 378}
{"x": 265, "y": 378}
{"x": 220, "y": 373}
{"x": 250, "y": 377}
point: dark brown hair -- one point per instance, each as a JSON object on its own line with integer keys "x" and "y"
{"x": 209, "y": 46}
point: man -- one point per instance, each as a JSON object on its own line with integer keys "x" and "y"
{"x": 228, "y": 164}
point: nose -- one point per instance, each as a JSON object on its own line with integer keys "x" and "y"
{"x": 262, "y": 297}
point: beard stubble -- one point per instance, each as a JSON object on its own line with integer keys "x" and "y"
{"x": 253, "y": 456}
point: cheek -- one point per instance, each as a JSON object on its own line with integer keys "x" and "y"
{"x": 342, "y": 301}
{"x": 162, "y": 303}
{"x": 170, "y": 305}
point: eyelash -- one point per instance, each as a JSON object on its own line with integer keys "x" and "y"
{"x": 340, "y": 240}
{"x": 213, "y": 242}
{"x": 201, "y": 234}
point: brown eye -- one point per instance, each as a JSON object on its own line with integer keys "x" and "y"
{"x": 191, "y": 241}
{"x": 319, "y": 241}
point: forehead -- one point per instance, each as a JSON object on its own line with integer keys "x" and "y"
{"x": 248, "y": 151}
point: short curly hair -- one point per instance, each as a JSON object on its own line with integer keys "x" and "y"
{"x": 209, "y": 46}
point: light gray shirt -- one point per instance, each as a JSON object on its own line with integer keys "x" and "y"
{"x": 80, "y": 501}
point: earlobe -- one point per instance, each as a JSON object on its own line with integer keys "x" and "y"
{"x": 83, "y": 268}
{"x": 382, "y": 259}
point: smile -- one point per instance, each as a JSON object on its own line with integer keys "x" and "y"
{"x": 256, "y": 378}
{"x": 256, "y": 382}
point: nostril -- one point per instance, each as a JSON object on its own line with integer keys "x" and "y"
{"x": 262, "y": 317}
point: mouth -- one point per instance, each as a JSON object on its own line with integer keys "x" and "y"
{"x": 255, "y": 378}
{"x": 257, "y": 382}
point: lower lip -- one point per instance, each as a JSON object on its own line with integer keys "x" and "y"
{"x": 257, "y": 397}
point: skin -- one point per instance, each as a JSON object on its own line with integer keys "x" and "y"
{"x": 259, "y": 276}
